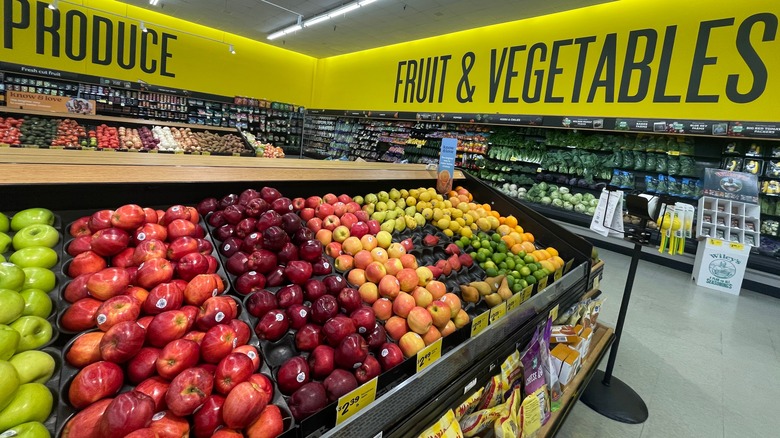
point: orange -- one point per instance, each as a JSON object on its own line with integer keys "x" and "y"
{"x": 529, "y": 237}
{"x": 528, "y": 247}
{"x": 510, "y": 242}
{"x": 535, "y": 257}
{"x": 559, "y": 261}
{"x": 553, "y": 252}
{"x": 543, "y": 254}
{"x": 511, "y": 221}
{"x": 454, "y": 201}
{"x": 486, "y": 207}
{"x": 516, "y": 248}
{"x": 546, "y": 264}
{"x": 495, "y": 214}
{"x": 464, "y": 198}
{"x": 452, "y": 194}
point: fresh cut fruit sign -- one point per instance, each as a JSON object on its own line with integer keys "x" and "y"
{"x": 693, "y": 59}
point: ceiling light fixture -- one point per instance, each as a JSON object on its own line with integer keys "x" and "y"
{"x": 154, "y": 2}
{"x": 53, "y": 5}
{"x": 333, "y": 13}
{"x": 232, "y": 50}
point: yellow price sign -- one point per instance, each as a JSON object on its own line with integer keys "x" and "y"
{"x": 558, "y": 274}
{"x": 132, "y": 150}
{"x": 57, "y": 147}
{"x": 428, "y": 355}
{"x": 554, "y": 312}
{"x": 107, "y": 150}
{"x": 542, "y": 283}
{"x": 479, "y": 323}
{"x": 352, "y": 402}
{"x": 497, "y": 313}
{"x": 4, "y": 145}
{"x": 737, "y": 246}
{"x": 568, "y": 266}
{"x": 205, "y": 153}
{"x": 674, "y": 153}
{"x": 153, "y": 151}
{"x": 178, "y": 152}
{"x": 714, "y": 242}
{"x": 236, "y": 154}
{"x": 527, "y": 292}
{"x": 514, "y": 301}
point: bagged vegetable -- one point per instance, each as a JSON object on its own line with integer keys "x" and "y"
{"x": 663, "y": 187}
{"x": 673, "y": 166}
{"x": 688, "y": 188}
{"x": 628, "y": 160}
{"x": 674, "y": 186}
{"x": 507, "y": 425}
{"x": 640, "y": 159}
{"x": 650, "y": 162}
{"x": 615, "y": 181}
{"x": 437, "y": 429}
{"x": 480, "y": 421}
{"x": 651, "y": 184}
{"x": 660, "y": 164}
{"x": 687, "y": 147}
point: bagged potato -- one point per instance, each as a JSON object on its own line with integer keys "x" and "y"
{"x": 494, "y": 393}
{"x": 480, "y": 421}
{"x": 507, "y": 425}
{"x": 453, "y": 431}
{"x": 439, "y": 427}
{"x": 469, "y": 405}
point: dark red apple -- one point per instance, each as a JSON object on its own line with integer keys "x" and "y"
{"x": 86, "y": 263}
{"x": 217, "y": 343}
{"x": 216, "y": 219}
{"x": 307, "y": 400}
{"x": 338, "y": 383}
{"x": 100, "y": 220}
{"x": 225, "y": 231}
{"x": 233, "y": 214}
{"x": 80, "y": 316}
{"x": 247, "y": 195}
{"x": 293, "y": 374}
{"x": 291, "y": 222}
{"x": 207, "y": 205}
{"x": 298, "y": 271}
{"x": 109, "y": 241}
{"x": 338, "y": 328}
{"x": 215, "y": 310}
{"x": 166, "y": 327}
{"x": 270, "y": 194}
{"x": 237, "y": 263}
{"x": 205, "y": 247}
{"x": 275, "y": 277}
{"x": 308, "y": 337}
{"x": 93, "y": 382}
{"x": 248, "y": 282}
{"x": 76, "y": 289}
{"x": 310, "y": 250}
{"x": 262, "y": 261}
{"x": 79, "y": 245}
{"x": 321, "y": 361}
{"x": 245, "y": 227}
{"x": 351, "y": 352}
{"x": 272, "y": 326}
{"x": 334, "y": 284}
{"x": 274, "y": 238}
{"x": 177, "y": 356}
{"x": 122, "y": 341}
{"x": 282, "y": 205}
{"x": 192, "y": 264}
{"x": 349, "y": 300}
{"x": 289, "y": 295}
{"x": 373, "y": 227}
{"x": 208, "y": 418}
{"x": 251, "y": 243}
{"x": 189, "y": 390}
{"x": 127, "y": 413}
{"x": 324, "y": 308}
{"x": 364, "y": 319}
{"x": 390, "y": 355}
{"x": 256, "y": 207}
{"x": 267, "y": 220}
{"x": 303, "y": 235}
{"x": 153, "y": 272}
{"x": 376, "y": 337}
{"x": 288, "y": 253}
{"x": 368, "y": 370}
{"x": 155, "y": 387}
{"x": 163, "y": 297}
{"x": 228, "y": 200}
{"x": 117, "y": 309}
{"x": 298, "y": 314}
{"x": 80, "y": 227}
{"x": 322, "y": 266}
{"x": 258, "y": 303}
{"x": 313, "y": 289}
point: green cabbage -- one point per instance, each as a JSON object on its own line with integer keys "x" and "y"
{"x": 568, "y": 206}
{"x": 546, "y": 200}
{"x": 580, "y": 208}
{"x": 557, "y": 203}
{"x": 564, "y": 190}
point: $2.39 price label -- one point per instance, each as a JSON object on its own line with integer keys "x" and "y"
{"x": 428, "y": 355}
{"x": 352, "y": 402}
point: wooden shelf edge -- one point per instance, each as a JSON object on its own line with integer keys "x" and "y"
{"x": 603, "y": 337}
{"x": 116, "y": 119}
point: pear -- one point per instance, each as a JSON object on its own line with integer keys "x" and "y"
{"x": 493, "y": 299}
{"x": 504, "y": 291}
{"x": 495, "y": 282}
{"x": 32, "y": 402}
{"x": 470, "y": 294}
{"x": 482, "y": 286}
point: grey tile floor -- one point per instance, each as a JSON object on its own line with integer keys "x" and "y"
{"x": 707, "y": 364}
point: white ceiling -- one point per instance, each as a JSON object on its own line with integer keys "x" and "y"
{"x": 378, "y": 24}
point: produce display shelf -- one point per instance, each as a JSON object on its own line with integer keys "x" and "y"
{"x": 112, "y": 119}
{"x": 603, "y": 337}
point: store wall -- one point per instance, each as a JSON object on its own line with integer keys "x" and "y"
{"x": 693, "y": 59}
{"x": 107, "y": 41}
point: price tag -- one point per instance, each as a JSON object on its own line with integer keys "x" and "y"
{"x": 558, "y": 274}
{"x": 4, "y": 145}
{"x": 568, "y": 266}
{"x": 543, "y": 283}
{"x": 527, "y": 292}
{"x": 674, "y": 153}
{"x": 57, "y": 147}
{"x": 178, "y": 152}
{"x": 596, "y": 282}
{"x": 479, "y": 323}
{"x": 352, "y": 402}
{"x": 153, "y": 151}
{"x": 236, "y": 154}
{"x": 428, "y": 355}
{"x": 132, "y": 150}
{"x": 554, "y": 312}
{"x": 205, "y": 153}
{"x": 497, "y": 313}
{"x": 715, "y": 242}
{"x": 737, "y": 246}
{"x": 514, "y": 302}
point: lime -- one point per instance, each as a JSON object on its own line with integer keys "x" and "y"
{"x": 525, "y": 271}
{"x": 498, "y": 257}
{"x": 524, "y": 284}
{"x": 521, "y": 254}
{"x": 482, "y": 235}
{"x": 533, "y": 267}
{"x": 517, "y": 287}
{"x": 502, "y": 265}
{"x": 493, "y": 245}
{"x": 510, "y": 281}
{"x": 502, "y": 247}
{"x": 516, "y": 275}
{"x": 496, "y": 237}
{"x": 465, "y": 241}
{"x": 530, "y": 279}
{"x": 480, "y": 257}
{"x": 473, "y": 254}
{"x": 540, "y": 274}
{"x": 476, "y": 244}
{"x": 491, "y": 272}
{"x": 528, "y": 259}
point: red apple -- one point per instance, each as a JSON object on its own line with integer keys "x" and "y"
{"x": 169, "y": 425}
{"x": 288, "y": 253}
{"x": 232, "y": 370}
{"x": 256, "y": 207}
{"x": 349, "y": 300}
{"x": 376, "y": 337}
{"x": 298, "y": 204}
{"x": 298, "y": 271}
{"x": 369, "y": 369}
{"x": 108, "y": 283}
{"x": 246, "y": 401}
{"x": 348, "y": 220}
{"x": 268, "y": 424}
{"x": 202, "y": 287}
{"x": 80, "y": 316}
{"x": 373, "y": 227}
{"x": 313, "y": 201}
{"x": 293, "y": 374}
{"x": 155, "y": 387}
{"x": 122, "y": 341}
{"x": 80, "y": 227}
{"x": 243, "y": 331}
{"x": 128, "y": 412}
{"x": 84, "y": 350}
{"x": 313, "y": 289}
{"x": 359, "y": 229}
{"x": 217, "y": 343}
{"x": 324, "y": 308}
{"x": 267, "y": 220}
{"x": 76, "y": 289}
{"x": 216, "y": 310}
{"x": 94, "y": 382}
{"x": 262, "y": 261}
{"x": 189, "y": 390}
{"x": 245, "y": 227}
{"x": 323, "y": 210}
{"x": 249, "y": 282}
{"x": 87, "y": 262}
{"x": 180, "y": 228}
{"x": 364, "y": 319}
{"x": 251, "y": 352}
{"x": 334, "y": 284}
{"x": 177, "y": 356}
{"x": 337, "y": 328}
{"x": 307, "y": 213}
{"x": 298, "y": 314}
{"x": 166, "y": 327}
{"x": 237, "y": 263}
{"x": 208, "y": 418}
{"x": 248, "y": 195}
{"x": 361, "y": 215}
{"x": 123, "y": 259}
{"x": 79, "y": 245}
{"x": 224, "y": 232}
{"x": 153, "y": 272}
{"x": 352, "y": 207}
{"x": 109, "y": 241}
{"x": 390, "y": 355}
{"x": 192, "y": 264}
{"x": 117, "y": 309}
{"x": 333, "y": 249}
{"x": 339, "y": 383}
{"x": 100, "y": 220}
{"x": 143, "y": 365}
{"x": 311, "y": 250}
{"x": 308, "y": 337}
{"x": 307, "y": 400}
{"x": 258, "y": 303}
{"x": 339, "y": 209}
{"x": 150, "y": 215}
{"x": 163, "y": 297}
{"x": 272, "y": 326}
{"x": 182, "y": 246}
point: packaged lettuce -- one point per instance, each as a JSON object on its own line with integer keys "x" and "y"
{"x": 688, "y": 188}
{"x": 674, "y": 186}
{"x": 687, "y": 147}
{"x": 673, "y": 166}
{"x": 617, "y": 159}
{"x": 615, "y": 181}
{"x": 687, "y": 166}
{"x": 627, "y": 180}
{"x": 663, "y": 187}
{"x": 640, "y": 158}
{"x": 660, "y": 164}
{"x": 698, "y": 192}
{"x": 651, "y": 184}
{"x": 650, "y": 162}
{"x": 628, "y": 160}
{"x": 673, "y": 145}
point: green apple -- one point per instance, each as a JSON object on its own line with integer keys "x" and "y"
{"x": 33, "y": 366}
{"x": 32, "y": 216}
{"x": 5, "y": 224}
{"x": 39, "y": 278}
{"x": 8, "y": 384}
{"x": 358, "y": 199}
{"x": 34, "y": 256}
{"x": 36, "y": 303}
{"x": 11, "y": 306}
{"x": 35, "y": 331}
{"x": 11, "y": 276}
{"x": 9, "y": 341}
{"x": 32, "y": 429}
{"x": 32, "y": 402}
{"x": 2, "y": 259}
{"x": 36, "y": 235}
{"x": 5, "y": 242}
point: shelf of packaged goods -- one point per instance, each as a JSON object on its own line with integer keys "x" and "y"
{"x": 112, "y": 119}
{"x": 34, "y": 166}
{"x": 603, "y": 337}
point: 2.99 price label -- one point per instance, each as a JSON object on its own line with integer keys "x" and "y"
{"x": 352, "y": 402}
{"x": 514, "y": 301}
{"x": 498, "y": 312}
{"x": 479, "y": 323}
{"x": 428, "y": 355}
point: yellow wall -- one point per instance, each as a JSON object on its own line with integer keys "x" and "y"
{"x": 367, "y": 80}
{"x": 257, "y": 70}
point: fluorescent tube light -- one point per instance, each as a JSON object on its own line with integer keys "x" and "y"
{"x": 154, "y": 2}
{"x": 320, "y": 18}
{"x": 366, "y": 2}
{"x": 343, "y": 10}
{"x": 143, "y": 27}
{"x": 316, "y": 20}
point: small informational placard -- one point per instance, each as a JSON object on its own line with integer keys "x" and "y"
{"x": 736, "y": 186}
{"x": 498, "y": 312}
{"x": 446, "y": 170}
{"x": 514, "y": 302}
{"x": 479, "y": 323}
{"x": 47, "y": 102}
{"x": 754, "y": 129}
{"x": 428, "y": 355}
{"x": 527, "y": 292}
{"x": 352, "y": 402}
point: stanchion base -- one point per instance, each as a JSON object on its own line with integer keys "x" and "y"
{"x": 616, "y": 401}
